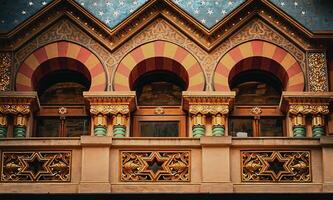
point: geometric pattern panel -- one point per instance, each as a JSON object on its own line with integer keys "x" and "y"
{"x": 164, "y": 49}
{"x": 276, "y": 166}
{"x": 155, "y": 166}
{"x": 56, "y": 50}
{"x": 36, "y": 166}
{"x": 258, "y": 48}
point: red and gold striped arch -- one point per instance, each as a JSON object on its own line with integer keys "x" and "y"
{"x": 258, "y": 48}
{"x": 196, "y": 77}
{"x": 24, "y": 77}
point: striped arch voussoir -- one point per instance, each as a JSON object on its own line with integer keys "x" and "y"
{"x": 196, "y": 80}
{"x": 61, "y": 49}
{"x": 258, "y": 48}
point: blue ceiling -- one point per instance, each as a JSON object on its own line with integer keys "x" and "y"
{"x": 316, "y": 15}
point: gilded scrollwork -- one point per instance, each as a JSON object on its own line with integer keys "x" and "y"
{"x": 308, "y": 109}
{"x": 276, "y": 166}
{"x": 155, "y": 166}
{"x": 109, "y": 109}
{"x": 208, "y": 109}
{"x": 14, "y": 109}
{"x": 317, "y": 72}
{"x": 5, "y": 63}
{"x": 36, "y": 166}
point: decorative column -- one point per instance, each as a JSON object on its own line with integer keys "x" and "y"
{"x": 299, "y": 105}
{"x": 113, "y": 105}
{"x": 119, "y": 121}
{"x": 298, "y": 120}
{"x": 212, "y": 105}
{"x": 218, "y": 121}
{"x": 318, "y": 125}
{"x": 100, "y": 123}
{"x": 3, "y": 125}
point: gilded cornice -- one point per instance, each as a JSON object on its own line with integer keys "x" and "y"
{"x": 306, "y": 102}
{"x": 110, "y": 102}
{"x": 208, "y": 102}
{"x": 206, "y": 38}
{"x": 18, "y": 102}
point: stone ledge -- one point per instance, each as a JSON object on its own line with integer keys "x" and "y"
{"x": 96, "y": 141}
{"x": 40, "y": 142}
{"x": 216, "y": 141}
{"x": 326, "y": 141}
{"x": 275, "y": 142}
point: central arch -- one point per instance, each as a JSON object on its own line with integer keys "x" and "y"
{"x": 159, "y": 49}
{"x": 294, "y": 78}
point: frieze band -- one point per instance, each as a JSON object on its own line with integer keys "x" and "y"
{"x": 155, "y": 166}
{"x": 36, "y": 166}
{"x": 276, "y": 166}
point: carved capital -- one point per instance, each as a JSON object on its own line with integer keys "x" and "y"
{"x": 15, "y": 109}
{"x": 308, "y": 109}
{"x": 109, "y": 109}
{"x": 208, "y": 109}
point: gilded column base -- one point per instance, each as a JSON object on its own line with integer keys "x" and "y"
{"x": 3, "y": 131}
{"x": 218, "y": 130}
{"x": 19, "y": 131}
{"x": 299, "y": 131}
{"x": 318, "y": 131}
{"x": 100, "y": 130}
{"x": 119, "y": 131}
{"x": 198, "y": 131}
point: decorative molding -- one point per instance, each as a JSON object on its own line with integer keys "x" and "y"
{"x": 308, "y": 109}
{"x": 306, "y": 102}
{"x": 208, "y": 102}
{"x": 18, "y": 102}
{"x": 5, "y": 63}
{"x": 155, "y": 166}
{"x": 317, "y": 72}
{"x": 109, "y": 109}
{"x": 110, "y": 102}
{"x": 15, "y": 109}
{"x": 209, "y": 109}
{"x": 276, "y": 166}
{"x": 36, "y": 166}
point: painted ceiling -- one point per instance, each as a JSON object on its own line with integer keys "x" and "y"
{"x": 316, "y": 15}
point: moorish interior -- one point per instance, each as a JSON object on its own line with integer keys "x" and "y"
{"x": 166, "y": 96}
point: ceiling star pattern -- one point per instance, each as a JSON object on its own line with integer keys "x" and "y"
{"x": 155, "y": 166}
{"x": 276, "y": 166}
{"x": 12, "y": 12}
{"x": 316, "y": 15}
{"x": 36, "y": 166}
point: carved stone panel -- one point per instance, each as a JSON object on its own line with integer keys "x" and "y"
{"x": 276, "y": 166}
{"x": 317, "y": 72}
{"x": 5, "y": 63}
{"x": 155, "y": 166}
{"x": 36, "y": 166}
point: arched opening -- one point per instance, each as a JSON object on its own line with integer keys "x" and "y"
{"x": 258, "y": 94}
{"x": 159, "y": 88}
{"x": 60, "y": 83}
{"x": 159, "y": 84}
